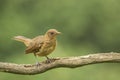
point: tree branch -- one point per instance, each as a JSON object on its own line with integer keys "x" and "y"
{"x": 69, "y": 62}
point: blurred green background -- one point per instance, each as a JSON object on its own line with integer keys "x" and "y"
{"x": 87, "y": 26}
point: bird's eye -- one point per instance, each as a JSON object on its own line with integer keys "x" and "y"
{"x": 52, "y": 33}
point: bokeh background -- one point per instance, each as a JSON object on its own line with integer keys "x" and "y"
{"x": 87, "y": 26}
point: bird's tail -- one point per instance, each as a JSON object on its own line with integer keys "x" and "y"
{"x": 23, "y": 39}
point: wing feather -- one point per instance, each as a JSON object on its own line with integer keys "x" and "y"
{"x": 35, "y": 45}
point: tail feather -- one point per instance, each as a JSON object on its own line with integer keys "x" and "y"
{"x": 23, "y": 39}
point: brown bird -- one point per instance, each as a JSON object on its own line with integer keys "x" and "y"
{"x": 41, "y": 45}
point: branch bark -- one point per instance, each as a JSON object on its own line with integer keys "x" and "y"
{"x": 69, "y": 62}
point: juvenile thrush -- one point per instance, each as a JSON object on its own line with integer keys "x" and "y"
{"x": 41, "y": 45}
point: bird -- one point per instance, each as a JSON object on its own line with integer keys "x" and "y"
{"x": 42, "y": 45}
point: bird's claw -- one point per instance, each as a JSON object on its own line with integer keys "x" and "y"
{"x": 37, "y": 64}
{"x": 49, "y": 60}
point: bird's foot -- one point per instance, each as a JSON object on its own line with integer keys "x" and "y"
{"x": 37, "y": 64}
{"x": 49, "y": 60}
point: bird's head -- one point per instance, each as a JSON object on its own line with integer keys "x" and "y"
{"x": 52, "y": 33}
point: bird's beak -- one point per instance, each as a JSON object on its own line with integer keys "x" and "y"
{"x": 58, "y": 33}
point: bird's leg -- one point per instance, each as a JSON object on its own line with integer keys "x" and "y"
{"x": 48, "y": 59}
{"x": 37, "y": 62}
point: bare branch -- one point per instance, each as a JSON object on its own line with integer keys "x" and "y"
{"x": 69, "y": 62}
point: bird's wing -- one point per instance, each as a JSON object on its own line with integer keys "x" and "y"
{"x": 35, "y": 45}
